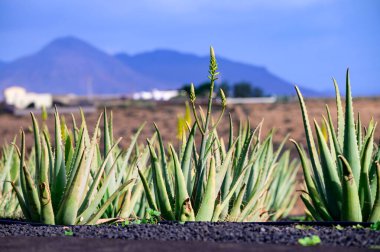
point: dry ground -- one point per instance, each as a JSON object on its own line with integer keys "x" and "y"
{"x": 284, "y": 116}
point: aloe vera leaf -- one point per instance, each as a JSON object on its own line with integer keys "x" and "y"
{"x": 317, "y": 170}
{"x": 372, "y": 174}
{"x": 95, "y": 217}
{"x": 37, "y": 145}
{"x": 220, "y": 206}
{"x": 350, "y": 147}
{"x": 183, "y": 143}
{"x": 289, "y": 208}
{"x": 256, "y": 170}
{"x": 32, "y": 195}
{"x": 247, "y": 128}
{"x": 76, "y": 159}
{"x": 243, "y": 154}
{"x": 21, "y": 171}
{"x": 340, "y": 115}
{"x": 351, "y": 204}
{"x": 311, "y": 209}
{"x": 160, "y": 187}
{"x": 332, "y": 181}
{"x": 110, "y": 128}
{"x": 96, "y": 199}
{"x": 200, "y": 171}
{"x": 186, "y": 160}
{"x": 329, "y": 139}
{"x": 261, "y": 166}
{"x": 364, "y": 183}
{"x": 337, "y": 146}
{"x": 21, "y": 201}
{"x": 206, "y": 208}
{"x": 148, "y": 193}
{"x": 14, "y": 173}
{"x": 75, "y": 128}
{"x": 68, "y": 209}
{"x": 227, "y": 180}
{"x": 58, "y": 179}
{"x": 375, "y": 214}
{"x": 258, "y": 211}
{"x": 278, "y": 188}
{"x": 368, "y": 132}
{"x": 131, "y": 146}
{"x": 359, "y": 133}
{"x": 106, "y": 139}
{"x": 84, "y": 126}
{"x": 217, "y": 151}
{"x": 279, "y": 149}
{"x": 69, "y": 153}
{"x": 97, "y": 179}
{"x": 269, "y": 153}
{"x": 180, "y": 188}
{"x": 221, "y": 174}
{"x": 231, "y": 134}
{"x": 9, "y": 159}
{"x": 127, "y": 209}
{"x": 49, "y": 156}
{"x": 259, "y": 190}
{"x": 238, "y": 145}
{"x": 164, "y": 166}
{"x": 236, "y": 208}
{"x": 47, "y": 214}
{"x": 313, "y": 193}
{"x": 30, "y": 192}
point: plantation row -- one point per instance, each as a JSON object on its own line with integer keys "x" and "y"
{"x": 71, "y": 177}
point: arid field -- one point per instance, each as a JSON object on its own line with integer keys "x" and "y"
{"x": 285, "y": 117}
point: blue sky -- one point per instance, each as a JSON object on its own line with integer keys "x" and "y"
{"x": 304, "y": 41}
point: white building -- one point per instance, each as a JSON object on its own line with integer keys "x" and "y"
{"x": 21, "y": 99}
{"x": 157, "y": 95}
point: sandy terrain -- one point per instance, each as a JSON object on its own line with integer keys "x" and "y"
{"x": 284, "y": 116}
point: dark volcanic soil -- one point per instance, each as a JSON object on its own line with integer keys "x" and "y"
{"x": 241, "y": 233}
{"x": 12, "y": 244}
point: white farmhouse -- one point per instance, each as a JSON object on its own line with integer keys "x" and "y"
{"x": 19, "y": 98}
{"x": 157, "y": 95}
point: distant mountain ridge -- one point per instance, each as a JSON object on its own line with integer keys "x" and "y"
{"x": 175, "y": 67}
{"x": 70, "y": 65}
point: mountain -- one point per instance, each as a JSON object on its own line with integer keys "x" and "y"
{"x": 177, "y": 69}
{"x": 70, "y": 65}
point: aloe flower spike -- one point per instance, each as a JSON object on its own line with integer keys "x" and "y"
{"x": 192, "y": 101}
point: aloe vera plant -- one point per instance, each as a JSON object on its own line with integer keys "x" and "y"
{"x": 132, "y": 202}
{"x": 69, "y": 182}
{"x": 343, "y": 175}
{"x": 212, "y": 181}
{"x": 9, "y": 206}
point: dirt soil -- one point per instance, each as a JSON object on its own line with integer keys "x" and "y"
{"x": 284, "y": 116}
